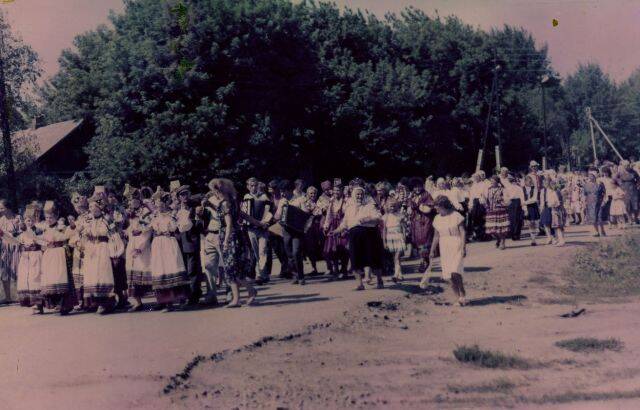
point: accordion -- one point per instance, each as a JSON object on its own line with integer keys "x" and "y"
{"x": 295, "y": 219}
{"x": 248, "y": 207}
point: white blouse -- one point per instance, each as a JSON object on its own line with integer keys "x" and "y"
{"x": 360, "y": 215}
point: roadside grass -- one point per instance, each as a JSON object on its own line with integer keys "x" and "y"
{"x": 500, "y": 385}
{"x": 574, "y": 396}
{"x": 489, "y": 359}
{"x": 590, "y": 344}
{"x": 608, "y": 268}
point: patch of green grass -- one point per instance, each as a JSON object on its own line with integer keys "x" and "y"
{"x": 590, "y": 344}
{"x": 489, "y": 359}
{"x": 574, "y": 396}
{"x": 500, "y": 385}
{"x": 608, "y": 268}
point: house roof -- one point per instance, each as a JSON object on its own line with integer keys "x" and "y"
{"x": 42, "y": 140}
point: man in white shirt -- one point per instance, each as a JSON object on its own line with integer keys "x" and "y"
{"x": 258, "y": 235}
{"x": 514, "y": 197}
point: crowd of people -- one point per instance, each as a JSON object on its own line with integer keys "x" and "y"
{"x": 116, "y": 249}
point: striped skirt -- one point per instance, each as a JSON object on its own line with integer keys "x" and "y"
{"x": 497, "y": 222}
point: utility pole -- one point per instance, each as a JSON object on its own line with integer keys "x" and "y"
{"x": 544, "y": 122}
{"x": 486, "y": 126}
{"x": 593, "y": 137}
{"x": 498, "y": 136}
{"x": 6, "y": 130}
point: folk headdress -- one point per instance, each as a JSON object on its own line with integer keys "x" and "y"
{"x": 99, "y": 196}
{"x": 33, "y": 211}
{"x": 50, "y": 209}
{"x": 160, "y": 194}
{"x": 79, "y": 200}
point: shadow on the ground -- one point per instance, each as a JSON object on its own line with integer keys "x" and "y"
{"x": 291, "y": 301}
{"x": 417, "y": 290}
{"x": 297, "y": 296}
{"x": 474, "y": 269}
{"x": 492, "y": 300}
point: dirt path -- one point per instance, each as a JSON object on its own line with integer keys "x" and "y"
{"x": 353, "y": 357}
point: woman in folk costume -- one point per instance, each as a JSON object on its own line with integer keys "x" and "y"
{"x": 99, "y": 287}
{"x": 365, "y": 243}
{"x": 9, "y": 250}
{"x": 531, "y": 207}
{"x": 138, "y": 252}
{"x": 313, "y": 238}
{"x": 335, "y": 246}
{"x": 553, "y": 214}
{"x": 56, "y": 283}
{"x": 76, "y": 224}
{"x": 394, "y": 235}
{"x": 30, "y": 264}
{"x": 170, "y": 280}
{"x": 422, "y": 214}
{"x": 497, "y": 218}
{"x": 235, "y": 252}
{"x": 594, "y": 195}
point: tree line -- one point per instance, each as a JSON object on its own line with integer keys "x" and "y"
{"x": 191, "y": 89}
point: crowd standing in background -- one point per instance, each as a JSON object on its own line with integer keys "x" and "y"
{"x": 117, "y": 249}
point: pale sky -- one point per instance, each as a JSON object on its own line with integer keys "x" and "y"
{"x": 602, "y": 31}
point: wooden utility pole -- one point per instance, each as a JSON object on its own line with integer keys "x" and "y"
{"x": 593, "y": 136}
{"x": 6, "y": 131}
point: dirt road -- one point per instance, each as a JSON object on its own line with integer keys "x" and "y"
{"x": 358, "y": 356}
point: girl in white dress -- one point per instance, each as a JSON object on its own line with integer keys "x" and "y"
{"x": 394, "y": 236}
{"x": 618, "y": 207}
{"x": 29, "y": 266}
{"x": 56, "y": 284}
{"x": 170, "y": 281}
{"x": 98, "y": 271}
{"x": 450, "y": 236}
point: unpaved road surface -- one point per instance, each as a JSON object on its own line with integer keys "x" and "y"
{"x": 326, "y": 348}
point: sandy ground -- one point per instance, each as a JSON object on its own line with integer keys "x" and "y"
{"x": 322, "y": 346}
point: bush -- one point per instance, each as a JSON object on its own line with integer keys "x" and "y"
{"x": 492, "y": 360}
{"x": 500, "y": 385}
{"x": 590, "y": 344}
{"x": 609, "y": 268}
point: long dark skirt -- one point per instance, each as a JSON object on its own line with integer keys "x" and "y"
{"x": 516, "y": 216}
{"x": 365, "y": 248}
{"x": 476, "y": 221}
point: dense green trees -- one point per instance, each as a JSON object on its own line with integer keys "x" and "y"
{"x": 190, "y": 89}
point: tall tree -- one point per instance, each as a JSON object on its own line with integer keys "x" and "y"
{"x": 19, "y": 70}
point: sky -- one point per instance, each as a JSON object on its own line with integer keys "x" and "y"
{"x": 602, "y": 31}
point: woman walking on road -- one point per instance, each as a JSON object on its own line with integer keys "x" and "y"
{"x": 497, "y": 218}
{"x": 450, "y": 238}
{"x": 365, "y": 242}
{"x": 594, "y": 195}
{"x": 235, "y": 253}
